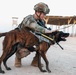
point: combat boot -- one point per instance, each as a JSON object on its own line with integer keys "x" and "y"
{"x": 18, "y": 62}
{"x": 19, "y": 55}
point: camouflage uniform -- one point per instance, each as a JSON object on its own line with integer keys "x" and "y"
{"x": 29, "y": 21}
{"x": 36, "y": 25}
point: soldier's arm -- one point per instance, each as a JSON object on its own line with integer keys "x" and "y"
{"x": 39, "y": 28}
{"x": 30, "y": 22}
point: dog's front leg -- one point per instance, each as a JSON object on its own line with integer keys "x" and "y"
{"x": 39, "y": 63}
{"x": 46, "y": 61}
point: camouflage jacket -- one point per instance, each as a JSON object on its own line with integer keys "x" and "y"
{"x": 37, "y": 25}
{"x": 30, "y": 21}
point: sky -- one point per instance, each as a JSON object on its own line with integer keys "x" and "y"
{"x": 22, "y": 8}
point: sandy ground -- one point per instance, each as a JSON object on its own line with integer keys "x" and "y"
{"x": 61, "y": 62}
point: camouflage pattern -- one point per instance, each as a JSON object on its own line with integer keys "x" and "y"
{"x": 29, "y": 21}
{"x": 42, "y": 7}
{"x": 41, "y": 38}
{"x": 22, "y": 53}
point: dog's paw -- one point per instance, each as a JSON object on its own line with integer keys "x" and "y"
{"x": 49, "y": 71}
{"x": 43, "y": 71}
{"x": 1, "y": 71}
{"x": 8, "y": 68}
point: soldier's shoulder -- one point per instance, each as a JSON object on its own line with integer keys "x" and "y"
{"x": 29, "y": 18}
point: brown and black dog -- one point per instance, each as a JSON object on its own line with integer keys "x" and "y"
{"x": 16, "y": 39}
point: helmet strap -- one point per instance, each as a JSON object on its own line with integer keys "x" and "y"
{"x": 38, "y": 15}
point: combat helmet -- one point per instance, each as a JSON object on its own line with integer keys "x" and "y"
{"x": 42, "y": 7}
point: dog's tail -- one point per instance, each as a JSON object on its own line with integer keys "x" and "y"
{"x": 3, "y": 34}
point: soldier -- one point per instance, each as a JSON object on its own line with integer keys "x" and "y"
{"x": 36, "y": 22}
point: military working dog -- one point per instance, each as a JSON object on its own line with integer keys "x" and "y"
{"x": 16, "y": 39}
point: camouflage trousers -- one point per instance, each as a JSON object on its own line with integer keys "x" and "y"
{"x": 22, "y": 53}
